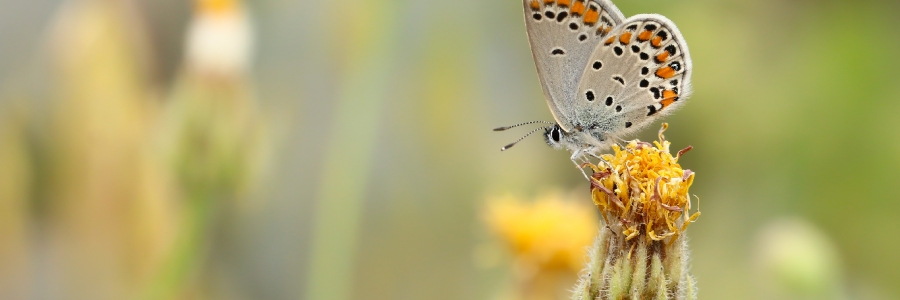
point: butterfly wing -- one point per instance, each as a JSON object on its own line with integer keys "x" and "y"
{"x": 640, "y": 72}
{"x": 563, "y": 34}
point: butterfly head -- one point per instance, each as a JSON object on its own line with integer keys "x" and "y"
{"x": 558, "y": 138}
{"x": 554, "y": 136}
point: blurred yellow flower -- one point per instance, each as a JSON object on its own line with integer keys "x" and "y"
{"x": 217, "y": 6}
{"x": 547, "y": 234}
{"x": 548, "y": 240}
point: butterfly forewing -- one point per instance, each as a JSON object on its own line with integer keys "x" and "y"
{"x": 563, "y": 34}
{"x": 645, "y": 74}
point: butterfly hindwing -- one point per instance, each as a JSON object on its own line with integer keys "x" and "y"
{"x": 563, "y": 34}
{"x": 645, "y": 71}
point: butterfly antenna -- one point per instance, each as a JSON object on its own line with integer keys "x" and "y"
{"x": 522, "y": 138}
{"x": 517, "y": 125}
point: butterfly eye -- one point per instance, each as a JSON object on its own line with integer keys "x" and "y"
{"x": 555, "y": 135}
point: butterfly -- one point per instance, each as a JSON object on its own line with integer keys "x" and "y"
{"x": 604, "y": 76}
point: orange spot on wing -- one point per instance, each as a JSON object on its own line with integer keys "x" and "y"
{"x": 666, "y": 102}
{"x": 645, "y": 35}
{"x": 610, "y": 40}
{"x": 591, "y": 16}
{"x": 602, "y": 30}
{"x": 625, "y": 38}
{"x": 665, "y": 72}
{"x": 564, "y": 3}
{"x": 662, "y": 57}
{"x": 669, "y": 94}
{"x": 535, "y": 5}
{"x": 578, "y": 8}
{"x": 548, "y": 1}
{"x": 656, "y": 42}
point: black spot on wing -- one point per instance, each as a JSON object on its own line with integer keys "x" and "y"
{"x": 652, "y": 110}
{"x": 671, "y": 50}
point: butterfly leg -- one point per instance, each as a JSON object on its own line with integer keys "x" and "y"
{"x": 600, "y": 160}
{"x": 579, "y": 155}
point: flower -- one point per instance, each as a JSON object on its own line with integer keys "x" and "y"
{"x": 547, "y": 238}
{"x": 550, "y": 233}
{"x": 219, "y": 39}
{"x": 642, "y": 194}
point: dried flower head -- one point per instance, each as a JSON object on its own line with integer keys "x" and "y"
{"x": 641, "y": 253}
{"x": 645, "y": 189}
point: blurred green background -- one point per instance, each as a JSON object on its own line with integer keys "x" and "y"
{"x": 163, "y": 149}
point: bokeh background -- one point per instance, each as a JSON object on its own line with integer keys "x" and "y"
{"x": 269, "y": 149}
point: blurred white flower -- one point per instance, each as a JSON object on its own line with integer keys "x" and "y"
{"x": 796, "y": 260}
{"x": 219, "y": 39}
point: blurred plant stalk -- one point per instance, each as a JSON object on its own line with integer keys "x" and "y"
{"x": 16, "y": 179}
{"x": 366, "y": 42}
{"x": 104, "y": 197}
{"x": 213, "y": 138}
{"x": 124, "y": 191}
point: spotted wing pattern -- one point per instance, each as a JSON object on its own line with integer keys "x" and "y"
{"x": 563, "y": 34}
{"x": 640, "y": 72}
